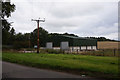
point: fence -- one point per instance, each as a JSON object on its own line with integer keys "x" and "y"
{"x": 99, "y": 52}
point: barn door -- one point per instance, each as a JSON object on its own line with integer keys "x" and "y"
{"x": 49, "y": 45}
{"x": 64, "y": 45}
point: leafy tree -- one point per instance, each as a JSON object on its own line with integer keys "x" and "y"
{"x": 69, "y": 34}
{"x": 43, "y": 35}
{"x": 7, "y": 9}
{"x": 100, "y": 38}
{"x": 5, "y": 31}
{"x": 21, "y": 40}
{"x": 12, "y": 31}
{"x": 11, "y": 36}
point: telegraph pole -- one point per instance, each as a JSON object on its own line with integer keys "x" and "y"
{"x": 38, "y": 20}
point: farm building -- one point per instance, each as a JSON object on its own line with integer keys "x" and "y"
{"x": 71, "y": 43}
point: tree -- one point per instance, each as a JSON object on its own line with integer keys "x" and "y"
{"x": 66, "y": 34}
{"x": 5, "y": 31}
{"x": 11, "y": 37}
{"x": 12, "y": 31}
{"x": 43, "y": 35}
{"x": 100, "y": 38}
{"x": 69, "y": 34}
{"x": 7, "y": 9}
{"x": 21, "y": 40}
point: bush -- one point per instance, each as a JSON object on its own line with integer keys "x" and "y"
{"x": 6, "y": 47}
{"x": 53, "y": 51}
{"x": 20, "y": 44}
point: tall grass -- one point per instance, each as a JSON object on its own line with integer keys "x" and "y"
{"x": 103, "y": 52}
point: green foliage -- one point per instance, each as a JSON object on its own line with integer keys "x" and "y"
{"x": 21, "y": 41}
{"x": 7, "y": 9}
{"x": 20, "y": 44}
{"x": 30, "y": 39}
{"x": 11, "y": 36}
{"x": 100, "y": 38}
{"x": 7, "y": 47}
{"x": 12, "y": 31}
{"x": 102, "y": 52}
{"x": 43, "y": 36}
{"x": 53, "y": 51}
{"x": 57, "y": 34}
{"x": 82, "y": 64}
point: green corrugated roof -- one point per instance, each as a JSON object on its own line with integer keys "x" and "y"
{"x": 77, "y": 37}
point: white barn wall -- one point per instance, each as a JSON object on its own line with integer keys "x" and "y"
{"x": 56, "y": 48}
{"x": 94, "y": 47}
{"x": 83, "y": 47}
{"x": 64, "y": 45}
{"x": 89, "y": 47}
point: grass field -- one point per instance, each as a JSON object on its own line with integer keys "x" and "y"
{"x": 78, "y": 64}
{"x": 107, "y": 45}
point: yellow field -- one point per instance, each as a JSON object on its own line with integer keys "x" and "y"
{"x": 107, "y": 45}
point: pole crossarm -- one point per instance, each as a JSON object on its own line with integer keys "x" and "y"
{"x": 39, "y": 20}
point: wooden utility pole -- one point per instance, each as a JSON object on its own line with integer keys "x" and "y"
{"x": 38, "y": 20}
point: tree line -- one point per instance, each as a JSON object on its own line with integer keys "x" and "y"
{"x": 29, "y": 40}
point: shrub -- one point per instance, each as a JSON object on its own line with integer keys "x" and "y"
{"x": 53, "y": 51}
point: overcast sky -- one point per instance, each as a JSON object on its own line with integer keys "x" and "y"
{"x": 81, "y": 17}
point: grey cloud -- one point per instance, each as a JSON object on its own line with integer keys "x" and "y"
{"x": 84, "y": 19}
{"x": 66, "y": 10}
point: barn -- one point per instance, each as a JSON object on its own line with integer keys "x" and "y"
{"x": 72, "y": 43}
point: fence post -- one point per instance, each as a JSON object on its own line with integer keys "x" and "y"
{"x": 24, "y": 50}
{"x": 93, "y": 54}
{"x": 77, "y": 51}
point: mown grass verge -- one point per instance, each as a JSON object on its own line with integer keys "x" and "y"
{"x": 96, "y": 66}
